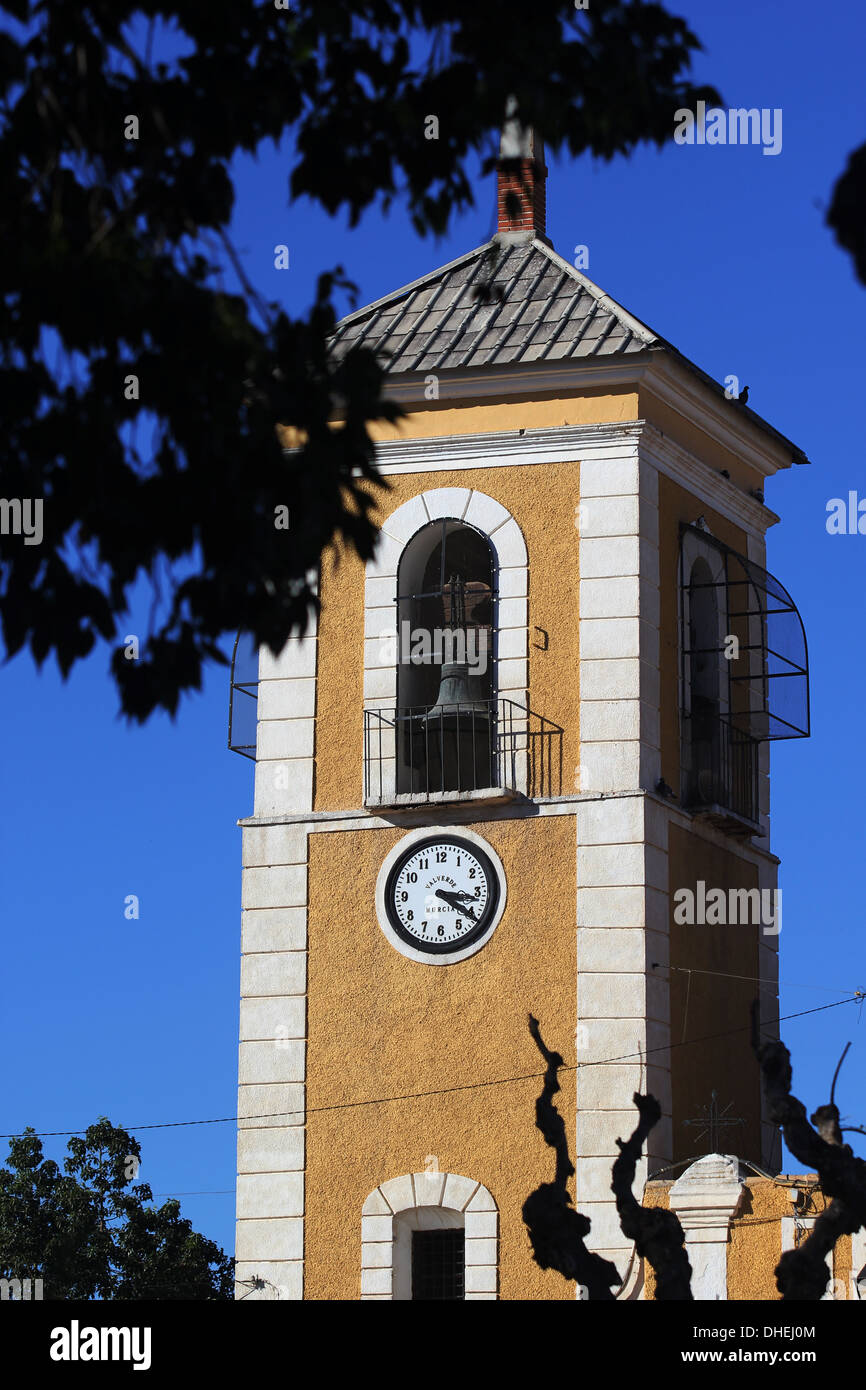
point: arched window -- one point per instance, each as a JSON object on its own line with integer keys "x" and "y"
{"x": 705, "y": 655}
{"x": 429, "y": 1236}
{"x": 744, "y": 677}
{"x": 458, "y": 561}
{"x": 446, "y": 716}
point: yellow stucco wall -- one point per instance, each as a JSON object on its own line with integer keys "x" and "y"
{"x": 755, "y": 1238}
{"x": 542, "y": 499}
{"x": 704, "y": 1005}
{"x": 382, "y": 1025}
{"x": 591, "y": 407}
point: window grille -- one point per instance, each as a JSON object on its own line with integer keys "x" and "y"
{"x": 765, "y": 671}
{"x": 744, "y": 677}
{"x": 438, "y": 1264}
{"x": 244, "y": 696}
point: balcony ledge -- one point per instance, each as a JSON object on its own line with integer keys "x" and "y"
{"x": 729, "y": 822}
{"x": 481, "y": 796}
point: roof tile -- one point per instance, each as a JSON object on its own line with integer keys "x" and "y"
{"x": 538, "y": 306}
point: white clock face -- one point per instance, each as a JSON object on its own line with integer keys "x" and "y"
{"x": 441, "y": 894}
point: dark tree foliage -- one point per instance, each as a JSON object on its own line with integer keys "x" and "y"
{"x": 88, "y": 1233}
{"x": 112, "y": 252}
{"x": 847, "y": 215}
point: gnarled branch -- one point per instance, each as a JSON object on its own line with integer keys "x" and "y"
{"x": 556, "y": 1230}
{"x": 802, "y": 1273}
{"x": 657, "y": 1234}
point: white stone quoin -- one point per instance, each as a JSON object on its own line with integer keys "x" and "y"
{"x": 706, "y": 1198}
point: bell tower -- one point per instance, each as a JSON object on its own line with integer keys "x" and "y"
{"x": 519, "y": 765}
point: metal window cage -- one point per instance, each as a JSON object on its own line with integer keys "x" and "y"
{"x": 768, "y": 667}
{"x": 244, "y": 696}
{"x": 438, "y": 1264}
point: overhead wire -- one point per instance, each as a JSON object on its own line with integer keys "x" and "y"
{"x": 249, "y": 1121}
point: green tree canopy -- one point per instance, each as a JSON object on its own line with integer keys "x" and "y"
{"x": 88, "y": 1232}
{"x": 114, "y": 233}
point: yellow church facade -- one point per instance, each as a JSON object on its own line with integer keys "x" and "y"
{"x": 519, "y": 765}
{"x": 738, "y": 1223}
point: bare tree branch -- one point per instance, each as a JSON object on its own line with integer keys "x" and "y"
{"x": 836, "y": 1073}
{"x": 657, "y": 1234}
{"x": 802, "y": 1273}
{"x": 556, "y": 1231}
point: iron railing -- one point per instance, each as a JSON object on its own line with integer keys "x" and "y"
{"x": 719, "y": 766}
{"x": 454, "y": 749}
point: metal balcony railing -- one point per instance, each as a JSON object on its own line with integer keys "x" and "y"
{"x": 419, "y": 754}
{"x": 719, "y": 767}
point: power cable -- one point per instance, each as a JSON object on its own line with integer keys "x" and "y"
{"x": 446, "y": 1090}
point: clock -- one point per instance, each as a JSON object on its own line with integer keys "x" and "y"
{"x": 441, "y": 895}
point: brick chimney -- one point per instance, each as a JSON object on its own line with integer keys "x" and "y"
{"x": 521, "y": 171}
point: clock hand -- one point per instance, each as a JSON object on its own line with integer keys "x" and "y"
{"x": 453, "y": 900}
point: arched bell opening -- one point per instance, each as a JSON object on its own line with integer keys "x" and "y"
{"x": 446, "y": 716}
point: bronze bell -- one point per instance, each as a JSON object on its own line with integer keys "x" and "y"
{"x": 457, "y": 733}
{"x": 457, "y": 686}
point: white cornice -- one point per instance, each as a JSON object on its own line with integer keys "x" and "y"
{"x": 674, "y": 383}
{"x": 706, "y": 483}
{"x": 321, "y": 822}
{"x": 501, "y": 448}
{"x": 570, "y": 444}
{"x": 756, "y": 443}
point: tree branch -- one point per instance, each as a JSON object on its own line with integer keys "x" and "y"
{"x": 556, "y": 1231}
{"x": 802, "y": 1273}
{"x": 657, "y": 1234}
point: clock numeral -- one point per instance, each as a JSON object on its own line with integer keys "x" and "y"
{"x": 424, "y": 863}
{"x": 410, "y": 915}
{"x": 423, "y": 926}
{"x": 458, "y": 924}
{"x": 477, "y": 890}
{"x": 471, "y": 873}
{"x": 404, "y": 897}
{"x": 440, "y": 930}
{"x": 441, "y": 856}
{"x": 411, "y": 878}
{"x": 458, "y": 861}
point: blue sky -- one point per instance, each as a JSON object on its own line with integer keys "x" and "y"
{"x": 725, "y": 252}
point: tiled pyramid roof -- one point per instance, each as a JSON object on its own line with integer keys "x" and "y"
{"x": 534, "y": 306}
